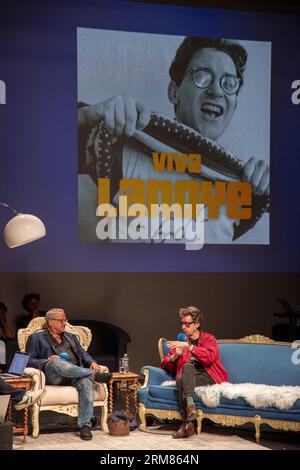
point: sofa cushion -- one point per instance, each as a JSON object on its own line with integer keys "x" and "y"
{"x": 169, "y": 394}
{"x": 67, "y": 395}
{"x": 241, "y": 402}
{"x": 269, "y": 364}
{"x": 165, "y": 393}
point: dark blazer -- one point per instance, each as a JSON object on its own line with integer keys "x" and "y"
{"x": 40, "y": 349}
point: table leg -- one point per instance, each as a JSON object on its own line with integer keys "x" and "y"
{"x": 127, "y": 394}
{"x": 9, "y": 410}
{"x": 110, "y": 405}
{"x": 25, "y": 430}
{"x": 135, "y": 387}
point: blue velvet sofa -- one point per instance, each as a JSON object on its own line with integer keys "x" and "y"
{"x": 253, "y": 359}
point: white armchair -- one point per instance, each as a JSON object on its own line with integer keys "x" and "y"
{"x": 60, "y": 398}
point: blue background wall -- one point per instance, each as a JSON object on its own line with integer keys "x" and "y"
{"x": 39, "y": 146}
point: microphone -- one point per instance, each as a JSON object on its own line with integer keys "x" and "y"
{"x": 64, "y": 356}
{"x": 181, "y": 337}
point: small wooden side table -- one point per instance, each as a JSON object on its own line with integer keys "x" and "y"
{"x": 129, "y": 380}
{"x": 25, "y": 383}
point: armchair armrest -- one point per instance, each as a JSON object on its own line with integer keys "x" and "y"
{"x": 37, "y": 376}
{"x": 154, "y": 376}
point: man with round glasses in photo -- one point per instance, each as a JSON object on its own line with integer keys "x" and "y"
{"x": 193, "y": 362}
{"x": 206, "y": 76}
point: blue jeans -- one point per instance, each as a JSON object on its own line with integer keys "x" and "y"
{"x": 59, "y": 372}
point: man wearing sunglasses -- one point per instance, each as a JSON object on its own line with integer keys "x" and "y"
{"x": 206, "y": 78}
{"x": 194, "y": 362}
{"x": 64, "y": 362}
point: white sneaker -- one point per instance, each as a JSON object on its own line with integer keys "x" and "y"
{"x": 29, "y": 398}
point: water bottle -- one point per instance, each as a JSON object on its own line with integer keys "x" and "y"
{"x": 126, "y": 363}
{"x": 121, "y": 366}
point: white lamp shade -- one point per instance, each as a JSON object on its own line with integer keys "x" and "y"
{"x": 22, "y": 229}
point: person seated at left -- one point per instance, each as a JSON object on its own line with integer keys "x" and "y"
{"x": 64, "y": 362}
{"x": 20, "y": 398}
{"x": 8, "y": 344}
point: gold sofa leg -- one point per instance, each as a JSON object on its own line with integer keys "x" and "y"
{"x": 142, "y": 416}
{"x": 199, "y": 421}
{"x": 257, "y": 423}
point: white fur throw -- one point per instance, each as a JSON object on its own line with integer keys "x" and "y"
{"x": 257, "y": 395}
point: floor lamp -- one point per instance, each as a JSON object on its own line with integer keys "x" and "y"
{"x": 22, "y": 228}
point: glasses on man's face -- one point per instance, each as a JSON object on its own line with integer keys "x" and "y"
{"x": 204, "y": 78}
{"x": 186, "y": 323}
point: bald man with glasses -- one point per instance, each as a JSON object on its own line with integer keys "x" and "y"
{"x": 64, "y": 362}
{"x": 193, "y": 362}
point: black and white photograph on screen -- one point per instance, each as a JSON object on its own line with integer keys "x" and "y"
{"x": 142, "y": 93}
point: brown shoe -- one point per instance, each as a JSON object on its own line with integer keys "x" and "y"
{"x": 180, "y": 433}
{"x": 189, "y": 429}
{"x": 184, "y": 431}
{"x": 191, "y": 412}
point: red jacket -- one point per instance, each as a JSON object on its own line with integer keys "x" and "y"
{"x": 206, "y": 352}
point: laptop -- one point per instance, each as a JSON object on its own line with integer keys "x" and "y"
{"x": 17, "y": 366}
{"x": 4, "y": 400}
